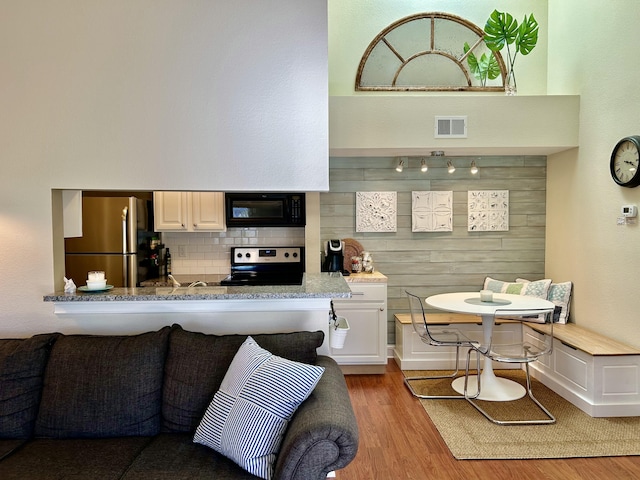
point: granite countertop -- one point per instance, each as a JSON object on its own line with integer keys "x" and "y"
{"x": 314, "y": 285}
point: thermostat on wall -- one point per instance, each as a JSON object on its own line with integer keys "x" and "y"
{"x": 629, "y": 211}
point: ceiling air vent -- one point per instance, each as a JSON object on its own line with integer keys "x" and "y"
{"x": 451, "y": 127}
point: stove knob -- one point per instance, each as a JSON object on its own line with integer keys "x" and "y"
{"x": 248, "y": 255}
{"x": 295, "y": 255}
{"x": 239, "y": 255}
{"x": 286, "y": 255}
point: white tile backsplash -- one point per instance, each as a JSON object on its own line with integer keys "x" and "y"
{"x": 210, "y": 252}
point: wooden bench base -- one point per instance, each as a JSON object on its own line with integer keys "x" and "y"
{"x": 597, "y": 374}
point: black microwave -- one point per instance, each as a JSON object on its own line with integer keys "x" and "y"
{"x": 265, "y": 209}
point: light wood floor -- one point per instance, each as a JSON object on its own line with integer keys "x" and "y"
{"x": 398, "y": 441}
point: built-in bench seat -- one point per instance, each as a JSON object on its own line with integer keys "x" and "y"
{"x": 588, "y": 341}
{"x": 599, "y": 375}
{"x": 411, "y": 353}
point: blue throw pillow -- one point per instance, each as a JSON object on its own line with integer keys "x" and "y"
{"x": 249, "y": 414}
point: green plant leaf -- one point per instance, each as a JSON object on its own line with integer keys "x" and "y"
{"x": 493, "y": 70}
{"x": 527, "y": 35}
{"x": 471, "y": 59}
{"x": 478, "y": 68}
{"x": 501, "y": 28}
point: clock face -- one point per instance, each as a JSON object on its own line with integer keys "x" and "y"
{"x": 625, "y": 162}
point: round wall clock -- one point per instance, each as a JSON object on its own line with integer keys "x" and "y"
{"x": 625, "y": 162}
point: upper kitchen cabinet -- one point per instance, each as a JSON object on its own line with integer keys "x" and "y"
{"x": 189, "y": 211}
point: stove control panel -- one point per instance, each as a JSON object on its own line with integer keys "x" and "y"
{"x": 245, "y": 255}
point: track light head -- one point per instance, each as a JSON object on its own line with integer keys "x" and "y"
{"x": 400, "y": 166}
{"x": 450, "y": 167}
{"x": 474, "y": 167}
{"x": 423, "y": 165}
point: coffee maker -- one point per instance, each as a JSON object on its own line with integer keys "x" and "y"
{"x": 334, "y": 256}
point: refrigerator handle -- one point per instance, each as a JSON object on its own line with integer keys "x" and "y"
{"x": 125, "y": 263}
{"x": 125, "y": 212}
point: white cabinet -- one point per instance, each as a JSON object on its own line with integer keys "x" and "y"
{"x": 366, "y": 312}
{"x": 189, "y": 211}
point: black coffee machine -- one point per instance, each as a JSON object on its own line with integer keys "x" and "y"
{"x": 334, "y": 256}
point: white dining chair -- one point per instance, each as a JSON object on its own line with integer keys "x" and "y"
{"x": 445, "y": 337}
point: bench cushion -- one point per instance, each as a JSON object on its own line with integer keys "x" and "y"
{"x": 22, "y": 364}
{"x": 103, "y": 386}
{"x": 560, "y": 295}
{"x": 197, "y": 363}
{"x": 539, "y": 288}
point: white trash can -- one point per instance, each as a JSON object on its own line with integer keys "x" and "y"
{"x": 338, "y": 330}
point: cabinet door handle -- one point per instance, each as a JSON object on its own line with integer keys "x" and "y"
{"x": 357, "y": 293}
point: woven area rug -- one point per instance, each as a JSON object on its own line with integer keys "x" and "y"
{"x": 469, "y": 435}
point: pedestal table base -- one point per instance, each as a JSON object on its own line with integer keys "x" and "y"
{"x": 493, "y": 389}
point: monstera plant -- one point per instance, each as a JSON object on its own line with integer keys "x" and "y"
{"x": 503, "y": 30}
{"x": 483, "y": 67}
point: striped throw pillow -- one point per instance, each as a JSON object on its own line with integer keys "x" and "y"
{"x": 248, "y": 416}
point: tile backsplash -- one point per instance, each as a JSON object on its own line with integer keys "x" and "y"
{"x": 209, "y": 252}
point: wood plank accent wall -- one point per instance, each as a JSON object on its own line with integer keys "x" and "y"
{"x": 428, "y": 263}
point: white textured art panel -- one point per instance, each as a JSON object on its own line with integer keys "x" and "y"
{"x": 431, "y": 211}
{"x": 488, "y": 210}
{"x": 376, "y": 211}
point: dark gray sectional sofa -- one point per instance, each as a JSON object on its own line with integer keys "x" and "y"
{"x": 126, "y": 407}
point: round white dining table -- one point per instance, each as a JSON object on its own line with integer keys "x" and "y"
{"x": 492, "y": 388}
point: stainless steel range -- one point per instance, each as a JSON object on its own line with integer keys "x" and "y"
{"x": 266, "y": 266}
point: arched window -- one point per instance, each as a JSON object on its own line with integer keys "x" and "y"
{"x": 425, "y": 52}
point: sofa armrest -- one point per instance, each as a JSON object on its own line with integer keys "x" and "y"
{"x": 323, "y": 434}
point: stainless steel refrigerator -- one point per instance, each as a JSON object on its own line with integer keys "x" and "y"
{"x": 113, "y": 228}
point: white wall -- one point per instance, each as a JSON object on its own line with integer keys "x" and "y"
{"x": 354, "y": 24}
{"x": 148, "y": 94}
{"x": 584, "y": 244}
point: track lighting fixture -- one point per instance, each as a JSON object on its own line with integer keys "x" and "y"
{"x": 474, "y": 167}
{"x": 423, "y": 165}
{"x": 400, "y": 166}
{"x": 450, "y": 167}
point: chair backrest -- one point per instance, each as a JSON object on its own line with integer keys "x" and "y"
{"x": 418, "y": 318}
{"x": 536, "y": 315}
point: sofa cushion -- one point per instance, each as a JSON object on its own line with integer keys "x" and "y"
{"x": 197, "y": 363}
{"x": 22, "y": 364}
{"x": 73, "y": 459}
{"x": 10, "y": 445}
{"x": 103, "y": 386}
{"x": 249, "y": 414}
{"x": 174, "y": 456}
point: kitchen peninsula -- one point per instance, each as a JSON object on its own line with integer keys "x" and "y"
{"x": 211, "y": 309}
